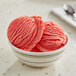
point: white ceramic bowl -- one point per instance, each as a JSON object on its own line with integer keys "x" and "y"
{"x": 36, "y": 59}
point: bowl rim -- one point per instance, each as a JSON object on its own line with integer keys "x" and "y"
{"x": 40, "y": 53}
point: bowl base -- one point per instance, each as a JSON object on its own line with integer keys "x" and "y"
{"x": 40, "y": 65}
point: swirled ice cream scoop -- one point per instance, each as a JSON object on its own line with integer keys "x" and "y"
{"x": 25, "y": 32}
{"x": 32, "y": 34}
{"x": 53, "y": 37}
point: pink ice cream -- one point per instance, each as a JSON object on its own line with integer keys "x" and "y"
{"x": 53, "y": 37}
{"x": 32, "y": 34}
{"x": 25, "y": 32}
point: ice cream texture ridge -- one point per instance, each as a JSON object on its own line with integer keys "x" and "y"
{"x": 34, "y": 35}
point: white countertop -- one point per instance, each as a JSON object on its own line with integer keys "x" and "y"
{"x": 9, "y": 64}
